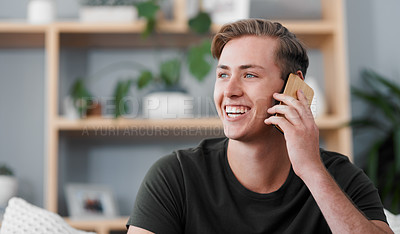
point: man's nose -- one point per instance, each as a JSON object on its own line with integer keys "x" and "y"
{"x": 234, "y": 87}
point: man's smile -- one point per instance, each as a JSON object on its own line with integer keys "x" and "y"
{"x": 235, "y": 111}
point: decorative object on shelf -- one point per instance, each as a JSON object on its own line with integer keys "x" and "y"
{"x": 286, "y": 9}
{"x": 81, "y": 97}
{"x": 169, "y": 100}
{"x": 94, "y": 108}
{"x": 120, "y": 94}
{"x": 41, "y": 11}
{"x": 90, "y": 201}
{"x": 69, "y": 109}
{"x": 23, "y": 217}
{"x": 8, "y": 185}
{"x": 224, "y": 11}
{"x": 108, "y": 11}
{"x": 318, "y": 105}
{"x": 167, "y": 104}
{"x": 383, "y": 165}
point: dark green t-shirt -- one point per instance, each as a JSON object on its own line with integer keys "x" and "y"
{"x": 195, "y": 191}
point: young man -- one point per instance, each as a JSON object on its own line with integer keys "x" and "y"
{"x": 258, "y": 180}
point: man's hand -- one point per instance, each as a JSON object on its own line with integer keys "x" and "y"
{"x": 302, "y": 142}
{"x": 300, "y": 131}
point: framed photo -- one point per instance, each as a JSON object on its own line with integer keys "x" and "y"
{"x": 86, "y": 201}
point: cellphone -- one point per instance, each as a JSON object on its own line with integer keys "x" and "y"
{"x": 294, "y": 83}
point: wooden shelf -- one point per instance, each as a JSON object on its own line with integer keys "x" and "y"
{"x": 92, "y": 123}
{"x": 22, "y": 35}
{"x": 100, "y": 226}
{"x": 22, "y": 27}
{"x": 170, "y": 33}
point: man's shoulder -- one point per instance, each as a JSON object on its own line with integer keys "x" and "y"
{"x": 205, "y": 149}
{"x": 339, "y": 165}
{"x": 206, "y": 146}
{"x": 330, "y": 157}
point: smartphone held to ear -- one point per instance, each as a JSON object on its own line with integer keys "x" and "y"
{"x": 293, "y": 84}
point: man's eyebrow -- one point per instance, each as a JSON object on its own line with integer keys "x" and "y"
{"x": 242, "y": 67}
{"x": 223, "y": 67}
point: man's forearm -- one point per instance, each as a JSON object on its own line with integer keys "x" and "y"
{"x": 340, "y": 213}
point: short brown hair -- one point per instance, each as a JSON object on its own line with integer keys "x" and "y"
{"x": 291, "y": 54}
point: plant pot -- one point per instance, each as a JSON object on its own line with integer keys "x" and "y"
{"x": 167, "y": 105}
{"x": 94, "y": 110}
{"x": 286, "y": 9}
{"x": 69, "y": 110}
{"x": 9, "y": 186}
{"x": 41, "y": 11}
{"x": 224, "y": 11}
{"x": 108, "y": 14}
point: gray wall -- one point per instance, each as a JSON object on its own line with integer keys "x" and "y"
{"x": 372, "y": 34}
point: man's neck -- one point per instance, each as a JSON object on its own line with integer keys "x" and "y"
{"x": 261, "y": 166}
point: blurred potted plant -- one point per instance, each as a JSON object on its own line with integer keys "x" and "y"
{"x": 199, "y": 55}
{"x": 108, "y": 11}
{"x": 8, "y": 185}
{"x": 83, "y": 100}
{"x": 383, "y": 164}
{"x": 168, "y": 99}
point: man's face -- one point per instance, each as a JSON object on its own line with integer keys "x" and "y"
{"x": 247, "y": 76}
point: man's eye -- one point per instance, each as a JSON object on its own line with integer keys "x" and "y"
{"x": 223, "y": 75}
{"x": 249, "y": 76}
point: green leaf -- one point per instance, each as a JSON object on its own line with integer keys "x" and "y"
{"x": 389, "y": 179}
{"x": 121, "y": 91}
{"x": 201, "y": 23}
{"x": 393, "y": 87}
{"x": 144, "y": 79}
{"x": 147, "y": 9}
{"x": 396, "y": 144}
{"x": 199, "y": 67}
{"x": 378, "y": 101}
{"x": 150, "y": 26}
{"x": 373, "y": 156}
{"x": 170, "y": 72}
{"x": 368, "y": 123}
{"x": 396, "y": 201}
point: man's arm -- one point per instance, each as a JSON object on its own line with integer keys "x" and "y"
{"x": 340, "y": 213}
{"x": 138, "y": 230}
{"x": 302, "y": 142}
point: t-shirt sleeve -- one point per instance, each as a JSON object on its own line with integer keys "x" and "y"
{"x": 359, "y": 188}
{"x": 159, "y": 204}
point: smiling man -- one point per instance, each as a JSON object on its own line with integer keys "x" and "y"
{"x": 258, "y": 180}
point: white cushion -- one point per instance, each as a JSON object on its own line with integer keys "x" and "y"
{"x": 23, "y": 217}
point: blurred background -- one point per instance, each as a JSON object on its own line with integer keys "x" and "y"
{"x": 98, "y": 155}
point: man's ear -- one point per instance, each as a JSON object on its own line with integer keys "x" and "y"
{"x": 299, "y": 73}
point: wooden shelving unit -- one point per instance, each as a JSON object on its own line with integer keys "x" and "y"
{"x": 327, "y": 35}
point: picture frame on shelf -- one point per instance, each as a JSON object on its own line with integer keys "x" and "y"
{"x": 90, "y": 201}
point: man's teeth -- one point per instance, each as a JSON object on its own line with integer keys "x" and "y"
{"x": 235, "y": 111}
